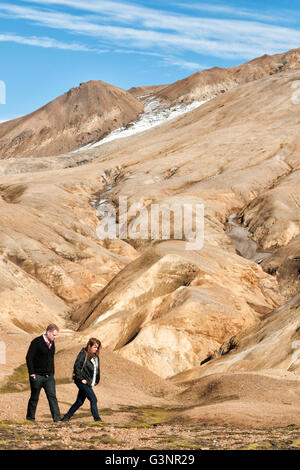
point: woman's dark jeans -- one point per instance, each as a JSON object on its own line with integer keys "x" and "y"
{"x": 85, "y": 391}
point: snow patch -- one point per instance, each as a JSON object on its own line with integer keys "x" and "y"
{"x": 154, "y": 115}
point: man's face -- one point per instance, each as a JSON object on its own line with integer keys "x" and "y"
{"x": 52, "y": 335}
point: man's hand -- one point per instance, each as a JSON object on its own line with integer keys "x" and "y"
{"x": 33, "y": 376}
{"x": 84, "y": 381}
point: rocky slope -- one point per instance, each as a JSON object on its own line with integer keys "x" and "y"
{"x": 154, "y": 302}
{"x": 172, "y": 325}
{"x": 273, "y": 344}
{"x": 207, "y": 83}
{"x": 143, "y": 91}
{"x": 229, "y": 163}
{"x": 257, "y": 160}
{"x": 78, "y": 117}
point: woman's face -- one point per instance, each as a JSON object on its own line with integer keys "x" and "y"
{"x": 94, "y": 348}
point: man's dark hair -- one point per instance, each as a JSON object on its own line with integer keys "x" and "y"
{"x": 52, "y": 327}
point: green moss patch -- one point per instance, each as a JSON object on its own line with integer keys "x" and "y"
{"x": 134, "y": 425}
{"x": 18, "y": 381}
{"x": 153, "y": 415}
{"x": 258, "y": 446}
{"x": 8, "y": 423}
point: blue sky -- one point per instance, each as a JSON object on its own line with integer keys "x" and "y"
{"x": 48, "y": 46}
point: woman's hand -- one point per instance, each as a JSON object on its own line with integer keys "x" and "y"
{"x": 84, "y": 381}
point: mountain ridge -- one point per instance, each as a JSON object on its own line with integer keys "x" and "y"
{"x": 82, "y": 115}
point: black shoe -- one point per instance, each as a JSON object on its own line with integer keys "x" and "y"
{"x": 97, "y": 419}
{"x": 30, "y": 419}
{"x": 57, "y": 420}
{"x": 65, "y": 419}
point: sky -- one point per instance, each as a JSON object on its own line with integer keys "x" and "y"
{"x": 50, "y": 46}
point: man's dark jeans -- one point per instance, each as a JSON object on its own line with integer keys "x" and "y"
{"x": 85, "y": 391}
{"x": 48, "y": 384}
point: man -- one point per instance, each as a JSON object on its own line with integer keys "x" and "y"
{"x": 40, "y": 364}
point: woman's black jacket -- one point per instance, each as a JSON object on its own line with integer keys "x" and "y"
{"x": 84, "y": 369}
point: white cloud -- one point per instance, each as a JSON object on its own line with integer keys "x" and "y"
{"x": 225, "y": 9}
{"x": 136, "y": 51}
{"x": 149, "y": 29}
{"x": 282, "y": 15}
{"x": 43, "y": 42}
{"x": 184, "y": 64}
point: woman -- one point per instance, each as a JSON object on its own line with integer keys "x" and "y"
{"x": 86, "y": 374}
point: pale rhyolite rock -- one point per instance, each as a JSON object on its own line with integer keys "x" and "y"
{"x": 172, "y": 308}
{"x": 179, "y": 305}
{"x": 273, "y": 344}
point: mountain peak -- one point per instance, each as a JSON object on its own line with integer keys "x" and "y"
{"x": 82, "y": 115}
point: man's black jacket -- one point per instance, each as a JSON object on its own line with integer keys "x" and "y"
{"x": 39, "y": 358}
{"x": 84, "y": 369}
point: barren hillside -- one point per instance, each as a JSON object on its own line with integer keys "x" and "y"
{"x": 211, "y": 320}
{"x": 207, "y": 83}
{"x": 82, "y": 115}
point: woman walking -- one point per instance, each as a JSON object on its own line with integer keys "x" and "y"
{"x": 86, "y": 375}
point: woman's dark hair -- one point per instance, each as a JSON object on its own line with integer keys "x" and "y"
{"x": 92, "y": 342}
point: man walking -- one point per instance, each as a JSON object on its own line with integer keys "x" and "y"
{"x": 40, "y": 364}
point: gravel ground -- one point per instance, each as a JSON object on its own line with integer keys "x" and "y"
{"x": 82, "y": 435}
